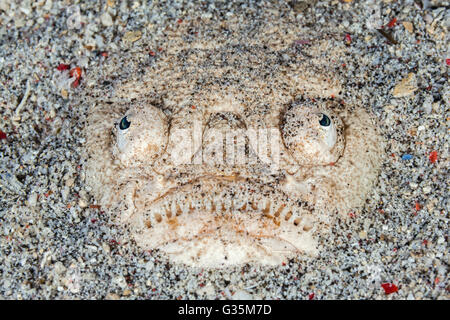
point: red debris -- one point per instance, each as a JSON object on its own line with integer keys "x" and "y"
{"x": 389, "y": 288}
{"x": 94, "y": 206}
{"x": 75, "y": 72}
{"x": 2, "y": 135}
{"x": 447, "y": 61}
{"x": 63, "y": 67}
{"x": 417, "y": 206}
{"x": 152, "y": 53}
{"x": 392, "y": 23}
{"x": 425, "y": 242}
{"x": 348, "y": 39}
{"x": 351, "y": 215}
{"x": 433, "y": 156}
{"x": 93, "y": 220}
{"x": 104, "y": 54}
{"x": 75, "y": 83}
{"x": 179, "y": 21}
{"x": 47, "y": 194}
{"x": 311, "y": 296}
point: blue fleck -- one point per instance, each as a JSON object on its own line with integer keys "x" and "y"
{"x": 407, "y": 157}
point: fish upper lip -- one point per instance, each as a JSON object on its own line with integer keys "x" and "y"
{"x": 224, "y": 200}
{"x": 220, "y": 182}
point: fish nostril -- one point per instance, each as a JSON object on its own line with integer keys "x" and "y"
{"x": 280, "y": 209}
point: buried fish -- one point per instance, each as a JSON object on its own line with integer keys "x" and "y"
{"x": 233, "y": 147}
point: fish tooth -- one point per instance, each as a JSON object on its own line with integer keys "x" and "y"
{"x": 178, "y": 210}
{"x": 297, "y": 221}
{"x": 148, "y": 223}
{"x": 168, "y": 209}
{"x": 207, "y": 204}
{"x": 276, "y": 221}
{"x": 288, "y": 215}
{"x": 220, "y": 206}
{"x": 266, "y": 210}
{"x": 227, "y": 204}
{"x": 239, "y": 204}
{"x": 197, "y": 204}
{"x": 255, "y": 204}
{"x": 174, "y": 207}
{"x": 279, "y": 210}
{"x": 307, "y": 223}
{"x": 204, "y": 204}
{"x": 191, "y": 204}
{"x": 213, "y": 206}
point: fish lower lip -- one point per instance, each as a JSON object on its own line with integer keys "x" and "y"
{"x": 225, "y": 221}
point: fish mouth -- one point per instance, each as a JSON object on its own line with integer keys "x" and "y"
{"x": 225, "y": 214}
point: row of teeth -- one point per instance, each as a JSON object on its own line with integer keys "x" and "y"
{"x": 176, "y": 208}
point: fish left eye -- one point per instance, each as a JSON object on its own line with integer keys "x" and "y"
{"x": 325, "y": 121}
{"x": 124, "y": 123}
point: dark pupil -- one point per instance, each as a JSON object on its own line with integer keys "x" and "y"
{"x": 124, "y": 123}
{"x": 325, "y": 121}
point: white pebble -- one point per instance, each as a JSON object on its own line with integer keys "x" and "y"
{"x": 106, "y": 19}
{"x": 426, "y": 189}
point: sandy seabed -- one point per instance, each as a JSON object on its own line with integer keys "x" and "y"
{"x": 56, "y": 243}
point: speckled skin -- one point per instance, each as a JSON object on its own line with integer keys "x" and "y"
{"x": 214, "y": 214}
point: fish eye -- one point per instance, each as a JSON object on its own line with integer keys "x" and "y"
{"x": 325, "y": 121}
{"x": 124, "y": 123}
